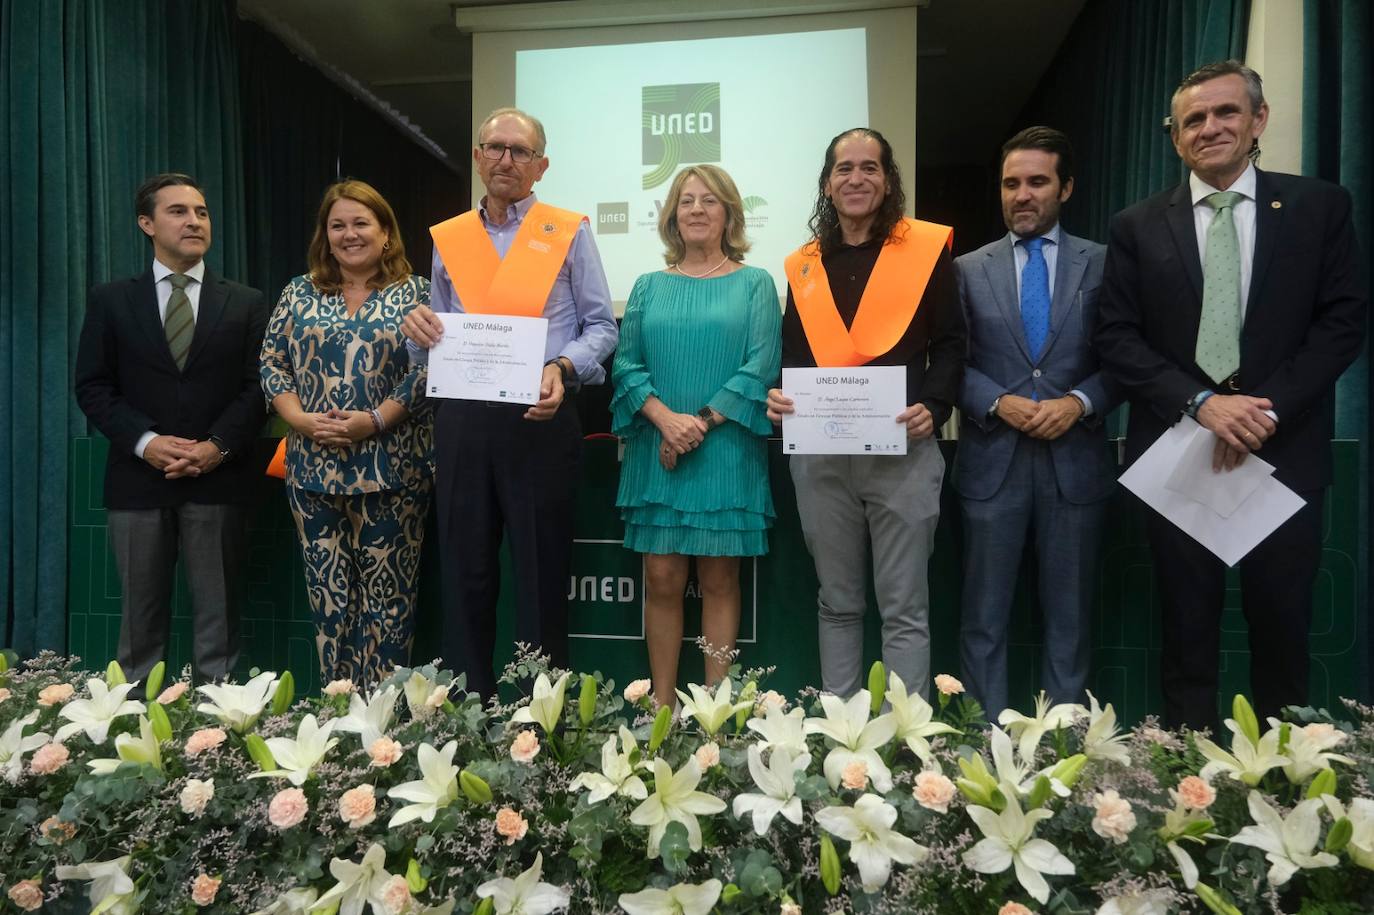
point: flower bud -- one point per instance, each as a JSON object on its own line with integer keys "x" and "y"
{"x": 877, "y": 686}
{"x": 1324, "y": 782}
{"x": 414, "y": 881}
{"x": 1339, "y": 836}
{"x": 162, "y": 726}
{"x": 730, "y": 893}
{"x": 260, "y": 753}
{"x": 475, "y": 788}
{"x": 586, "y": 700}
{"x": 286, "y": 691}
{"x": 485, "y": 907}
{"x": 1040, "y": 793}
{"x": 830, "y": 865}
{"x": 1069, "y": 770}
{"x": 114, "y": 674}
{"x": 662, "y": 722}
{"x": 154, "y": 685}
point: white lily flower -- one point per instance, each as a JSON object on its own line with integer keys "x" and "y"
{"x": 370, "y": 718}
{"x": 1288, "y": 843}
{"x": 1360, "y": 813}
{"x": 859, "y": 739}
{"x": 617, "y": 775}
{"x": 1151, "y": 902}
{"x": 293, "y": 902}
{"x": 437, "y": 788}
{"x": 358, "y": 884}
{"x": 1008, "y": 842}
{"x": 111, "y": 891}
{"x": 546, "y": 706}
{"x": 1029, "y": 730}
{"x": 1248, "y": 760}
{"x": 13, "y": 746}
{"x": 421, "y": 694}
{"x": 1187, "y": 867}
{"x": 96, "y": 714}
{"x": 778, "y": 785}
{"x": 144, "y": 749}
{"x": 914, "y": 718}
{"x": 236, "y": 705}
{"x": 1307, "y": 749}
{"x": 873, "y": 843}
{"x": 525, "y": 895}
{"x": 711, "y": 711}
{"x": 1103, "y": 740}
{"x": 295, "y": 758}
{"x": 675, "y": 798}
{"x": 781, "y": 730}
{"x": 678, "y": 899}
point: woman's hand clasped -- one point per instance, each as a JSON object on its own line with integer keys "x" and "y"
{"x": 681, "y": 433}
{"x": 337, "y": 428}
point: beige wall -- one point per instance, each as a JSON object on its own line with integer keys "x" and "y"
{"x": 1274, "y": 50}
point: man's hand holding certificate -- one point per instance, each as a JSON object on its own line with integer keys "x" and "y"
{"x": 845, "y": 410}
{"x": 488, "y": 357}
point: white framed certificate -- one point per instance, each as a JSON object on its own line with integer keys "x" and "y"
{"x": 845, "y": 411}
{"x": 488, "y": 357}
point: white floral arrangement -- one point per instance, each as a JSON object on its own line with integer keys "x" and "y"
{"x": 417, "y": 799}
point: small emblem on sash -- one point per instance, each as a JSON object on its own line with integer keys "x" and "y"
{"x": 805, "y": 271}
{"x": 550, "y": 228}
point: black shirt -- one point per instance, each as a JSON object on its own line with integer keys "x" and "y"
{"x": 933, "y": 347}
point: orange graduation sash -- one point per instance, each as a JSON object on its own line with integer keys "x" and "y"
{"x": 517, "y": 284}
{"x": 888, "y": 304}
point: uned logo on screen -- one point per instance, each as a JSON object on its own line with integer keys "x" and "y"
{"x": 680, "y": 126}
{"x": 613, "y": 218}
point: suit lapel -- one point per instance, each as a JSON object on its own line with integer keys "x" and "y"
{"x": 1268, "y": 218}
{"x": 146, "y": 314}
{"x": 1179, "y": 215}
{"x": 213, "y": 296}
{"x": 1068, "y": 276}
{"x": 1000, "y": 267}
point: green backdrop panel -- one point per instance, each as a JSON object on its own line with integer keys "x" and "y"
{"x": 779, "y": 596}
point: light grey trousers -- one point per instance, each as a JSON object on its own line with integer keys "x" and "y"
{"x": 847, "y": 502}
{"x": 210, "y": 540}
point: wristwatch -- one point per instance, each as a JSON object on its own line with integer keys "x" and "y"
{"x": 710, "y": 417}
{"x": 224, "y": 452}
{"x": 570, "y": 380}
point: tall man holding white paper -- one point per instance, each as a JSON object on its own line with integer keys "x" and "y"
{"x": 871, "y": 289}
{"x": 1234, "y": 298}
{"x": 501, "y": 464}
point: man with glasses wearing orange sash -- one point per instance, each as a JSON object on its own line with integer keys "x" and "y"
{"x": 502, "y": 467}
{"x": 873, "y": 288}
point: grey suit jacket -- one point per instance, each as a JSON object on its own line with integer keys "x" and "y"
{"x": 999, "y": 361}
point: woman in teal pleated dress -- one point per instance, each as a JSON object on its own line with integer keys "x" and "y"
{"x": 699, "y": 347}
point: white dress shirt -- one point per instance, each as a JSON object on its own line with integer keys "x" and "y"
{"x": 163, "y": 287}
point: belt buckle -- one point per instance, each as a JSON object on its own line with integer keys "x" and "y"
{"x": 1233, "y": 382}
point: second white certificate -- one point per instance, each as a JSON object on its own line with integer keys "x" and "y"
{"x": 845, "y": 411}
{"x": 488, "y": 357}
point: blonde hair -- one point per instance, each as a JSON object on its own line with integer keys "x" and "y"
{"x": 733, "y": 243}
{"x": 324, "y": 269}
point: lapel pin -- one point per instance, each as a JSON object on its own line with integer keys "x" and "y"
{"x": 1277, "y": 204}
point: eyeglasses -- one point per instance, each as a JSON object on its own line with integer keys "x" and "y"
{"x": 520, "y": 155}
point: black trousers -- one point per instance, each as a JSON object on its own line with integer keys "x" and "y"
{"x": 499, "y": 472}
{"x": 1276, "y": 581}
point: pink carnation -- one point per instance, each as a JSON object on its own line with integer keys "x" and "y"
{"x": 27, "y": 894}
{"x": 934, "y": 791}
{"x": 5, "y": 694}
{"x": 358, "y": 806}
{"x": 288, "y": 808}
{"x": 947, "y": 685}
{"x": 1113, "y": 818}
{"x": 637, "y": 690}
{"x": 56, "y": 831}
{"x": 855, "y": 775}
{"x": 173, "y": 692}
{"x": 204, "y": 739}
{"x": 49, "y": 758}
{"x": 1014, "y": 908}
{"x": 55, "y": 694}
{"x": 204, "y": 888}
{"x": 396, "y": 895}
{"x": 1196, "y": 793}
{"x": 338, "y": 688}
{"x": 708, "y": 755}
{"x": 525, "y": 747}
{"x": 769, "y": 699}
{"x": 384, "y": 751}
{"x": 511, "y": 825}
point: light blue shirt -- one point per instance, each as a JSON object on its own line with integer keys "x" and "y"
{"x": 581, "y": 323}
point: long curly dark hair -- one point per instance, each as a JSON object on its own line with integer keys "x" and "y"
{"x": 825, "y": 222}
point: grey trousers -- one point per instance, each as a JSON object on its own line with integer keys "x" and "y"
{"x": 846, "y": 502}
{"x": 210, "y": 540}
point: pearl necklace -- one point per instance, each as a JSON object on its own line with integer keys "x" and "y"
{"x": 702, "y": 276}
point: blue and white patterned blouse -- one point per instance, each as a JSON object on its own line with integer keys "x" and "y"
{"x": 314, "y": 349}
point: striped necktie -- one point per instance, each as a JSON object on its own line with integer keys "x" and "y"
{"x": 180, "y": 324}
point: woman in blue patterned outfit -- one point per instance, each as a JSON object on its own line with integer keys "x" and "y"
{"x": 358, "y": 474}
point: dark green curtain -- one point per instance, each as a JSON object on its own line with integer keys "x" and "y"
{"x": 1109, "y": 89}
{"x": 302, "y": 132}
{"x": 94, "y": 96}
{"x": 1337, "y": 128}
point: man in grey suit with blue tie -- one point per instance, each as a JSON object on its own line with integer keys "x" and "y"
{"x": 1032, "y": 458}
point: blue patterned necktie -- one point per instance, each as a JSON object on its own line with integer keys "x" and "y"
{"x": 1035, "y": 296}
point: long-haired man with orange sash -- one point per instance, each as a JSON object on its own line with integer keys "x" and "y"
{"x": 873, "y": 288}
{"x": 502, "y": 467}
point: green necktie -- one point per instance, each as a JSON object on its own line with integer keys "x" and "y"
{"x": 180, "y": 324}
{"x": 1218, "y": 332}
